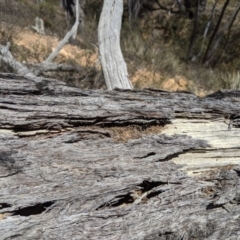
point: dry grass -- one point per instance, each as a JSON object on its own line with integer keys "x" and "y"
{"x": 123, "y": 134}
{"x": 232, "y": 80}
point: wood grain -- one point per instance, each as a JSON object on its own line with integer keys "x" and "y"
{"x": 84, "y": 164}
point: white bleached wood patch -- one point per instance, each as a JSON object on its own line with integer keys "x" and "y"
{"x": 224, "y": 144}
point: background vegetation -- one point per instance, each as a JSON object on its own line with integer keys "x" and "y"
{"x": 156, "y": 45}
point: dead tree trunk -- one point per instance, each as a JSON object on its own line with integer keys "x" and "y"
{"x": 82, "y": 164}
{"x": 113, "y": 64}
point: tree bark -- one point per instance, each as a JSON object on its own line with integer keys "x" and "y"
{"x": 113, "y": 64}
{"x": 84, "y": 164}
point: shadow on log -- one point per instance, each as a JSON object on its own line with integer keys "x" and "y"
{"x": 150, "y": 164}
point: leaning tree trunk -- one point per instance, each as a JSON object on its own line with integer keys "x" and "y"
{"x": 83, "y": 164}
{"x": 113, "y": 64}
{"x": 71, "y": 33}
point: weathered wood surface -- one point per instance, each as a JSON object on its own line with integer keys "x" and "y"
{"x": 81, "y": 164}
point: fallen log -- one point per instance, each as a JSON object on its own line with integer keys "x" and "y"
{"x": 122, "y": 164}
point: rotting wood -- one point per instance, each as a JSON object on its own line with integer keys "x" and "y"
{"x": 64, "y": 173}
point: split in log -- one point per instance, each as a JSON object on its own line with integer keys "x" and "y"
{"x": 123, "y": 164}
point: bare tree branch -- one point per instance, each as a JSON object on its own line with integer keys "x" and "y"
{"x": 71, "y": 33}
{"x": 133, "y": 10}
{"x": 208, "y": 26}
{"x": 206, "y": 56}
{"x": 194, "y": 33}
{"x": 220, "y": 35}
{"x": 38, "y": 69}
{"x": 33, "y": 70}
{"x": 8, "y": 58}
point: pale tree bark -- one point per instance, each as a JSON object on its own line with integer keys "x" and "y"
{"x": 39, "y": 26}
{"x": 71, "y": 33}
{"x": 113, "y": 64}
{"x": 7, "y": 57}
{"x": 33, "y": 70}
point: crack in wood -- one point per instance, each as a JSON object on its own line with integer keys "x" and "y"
{"x": 4, "y": 205}
{"x": 174, "y": 155}
{"x": 147, "y": 155}
{"x": 31, "y": 210}
{"x": 10, "y": 174}
{"x": 212, "y": 206}
{"x": 120, "y": 133}
{"x": 141, "y": 195}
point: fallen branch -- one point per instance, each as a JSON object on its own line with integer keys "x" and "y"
{"x": 8, "y": 58}
{"x": 39, "y": 69}
{"x": 36, "y": 69}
